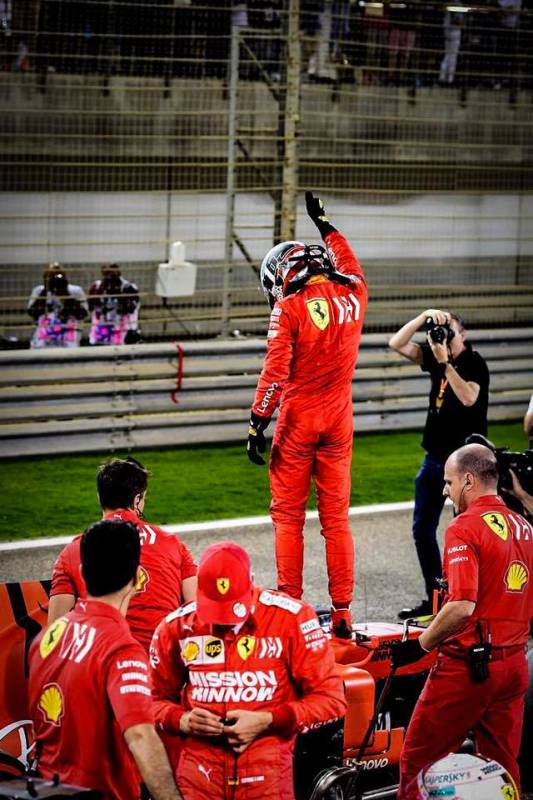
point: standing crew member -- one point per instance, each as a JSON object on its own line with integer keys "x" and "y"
{"x": 319, "y": 298}
{"x": 89, "y": 683}
{"x": 167, "y": 576}
{"x": 481, "y": 675}
{"x": 458, "y": 402}
{"x": 239, "y": 673}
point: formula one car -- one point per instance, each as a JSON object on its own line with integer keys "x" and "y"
{"x": 356, "y": 759}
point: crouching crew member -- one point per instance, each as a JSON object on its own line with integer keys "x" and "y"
{"x": 481, "y": 676}
{"x": 238, "y": 674}
{"x": 167, "y": 575}
{"x": 89, "y": 684}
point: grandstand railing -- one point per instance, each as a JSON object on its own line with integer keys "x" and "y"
{"x": 168, "y": 395}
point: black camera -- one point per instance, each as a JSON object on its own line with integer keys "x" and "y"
{"x": 438, "y": 333}
{"x": 520, "y": 463}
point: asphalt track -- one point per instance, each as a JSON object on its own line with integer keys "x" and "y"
{"x": 387, "y": 573}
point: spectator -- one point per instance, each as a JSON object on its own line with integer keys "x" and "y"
{"x": 507, "y": 41}
{"x": 481, "y": 632}
{"x": 457, "y": 407}
{"x": 167, "y": 575}
{"x": 376, "y": 26}
{"x": 57, "y": 306}
{"x": 114, "y": 305}
{"x": 402, "y": 39}
{"x": 243, "y": 669}
{"x": 313, "y": 342}
{"x": 453, "y": 23}
{"x": 89, "y": 692}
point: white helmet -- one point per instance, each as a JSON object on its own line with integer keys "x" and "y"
{"x": 466, "y": 777}
{"x": 284, "y": 261}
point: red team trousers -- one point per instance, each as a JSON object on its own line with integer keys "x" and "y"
{"x": 451, "y": 704}
{"x": 318, "y": 446}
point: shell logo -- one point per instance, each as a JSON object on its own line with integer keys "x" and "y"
{"x": 516, "y": 576}
{"x": 190, "y": 651}
{"x": 51, "y": 703}
{"x": 143, "y": 579}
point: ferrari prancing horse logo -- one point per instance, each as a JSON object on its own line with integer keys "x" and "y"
{"x": 223, "y": 585}
{"x": 319, "y": 312}
{"x": 497, "y": 523}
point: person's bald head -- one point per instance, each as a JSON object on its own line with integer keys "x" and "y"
{"x": 470, "y": 472}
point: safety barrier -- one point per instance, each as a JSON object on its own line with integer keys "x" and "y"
{"x": 160, "y": 395}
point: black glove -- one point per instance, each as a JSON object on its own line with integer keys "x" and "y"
{"x": 403, "y": 653}
{"x": 256, "y": 439}
{"x": 315, "y": 209}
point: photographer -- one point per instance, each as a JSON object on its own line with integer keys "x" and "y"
{"x": 114, "y": 305}
{"x": 457, "y": 407}
{"x": 57, "y": 306}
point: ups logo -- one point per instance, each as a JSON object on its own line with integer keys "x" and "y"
{"x": 213, "y": 648}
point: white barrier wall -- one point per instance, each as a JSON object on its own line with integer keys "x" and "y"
{"x": 87, "y": 227}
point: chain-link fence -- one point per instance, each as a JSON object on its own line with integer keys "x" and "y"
{"x": 127, "y": 126}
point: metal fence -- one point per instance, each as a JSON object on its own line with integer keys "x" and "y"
{"x": 129, "y": 125}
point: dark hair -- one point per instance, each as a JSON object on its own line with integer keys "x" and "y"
{"x": 479, "y": 460}
{"x": 459, "y": 320}
{"x": 110, "y": 553}
{"x": 120, "y": 481}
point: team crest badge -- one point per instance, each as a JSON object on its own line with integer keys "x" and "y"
{"x": 516, "y": 577}
{"x": 245, "y": 646}
{"x": 52, "y": 636}
{"x": 142, "y": 580}
{"x": 319, "y": 312}
{"x": 51, "y": 703}
{"x": 223, "y": 585}
{"x": 497, "y": 523}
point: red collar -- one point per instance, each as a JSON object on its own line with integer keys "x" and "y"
{"x": 125, "y": 514}
{"x": 95, "y": 608}
{"x": 487, "y": 501}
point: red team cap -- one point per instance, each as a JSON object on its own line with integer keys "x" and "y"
{"x": 224, "y": 595}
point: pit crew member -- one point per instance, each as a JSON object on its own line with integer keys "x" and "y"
{"x": 167, "y": 576}
{"x": 481, "y": 675}
{"x": 238, "y": 674}
{"x": 89, "y": 682}
{"x": 318, "y": 297}
{"x": 458, "y": 401}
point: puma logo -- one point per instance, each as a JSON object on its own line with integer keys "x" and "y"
{"x": 206, "y": 772}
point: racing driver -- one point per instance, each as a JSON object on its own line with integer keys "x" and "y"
{"x": 238, "y": 673}
{"x": 318, "y": 297}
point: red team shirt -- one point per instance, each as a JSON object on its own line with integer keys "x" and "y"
{"x": 84, "y": 661}
{"x": 308, "y": 359}
{"x": 165, "y": 564}
{"x": 488, "y": 560}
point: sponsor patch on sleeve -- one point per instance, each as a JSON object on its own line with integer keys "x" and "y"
{"x": 182, "y": 611}
{"x": 280, "y": 601}
{"x": 310, "y": 625}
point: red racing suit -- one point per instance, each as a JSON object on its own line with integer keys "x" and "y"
{"x": 89, "y": 683}
{"x": 278, "y": 661}
{"x": 488, "y": 560}
{"x": 165, "y": 563}
{"x": 312, "y": 347}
